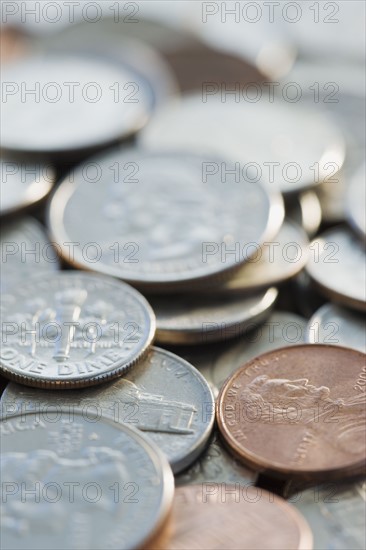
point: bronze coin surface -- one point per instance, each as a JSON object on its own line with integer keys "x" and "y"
{"x": 297, "y": 411}
{"x": 215, "y": 516}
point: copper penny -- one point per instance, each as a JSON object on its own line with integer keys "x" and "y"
{"x": 297, "y": 411}
{"x": 217, "y": 516}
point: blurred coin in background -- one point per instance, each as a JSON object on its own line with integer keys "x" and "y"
{"x": 216, "y": 516}
{"x": 305, "y": 210}
{"x": 23, "y": 184}
{"x": 60, "y": 104}
{"x": 356, "y": 200}
{"x": 333, "y": 324}
{"x": 191, "y": 319}
{"x": 335, "y": 513}
{"x": 125, "y": 43}
{"x": 162, "y": 220}
{"x": 25, "y": 251}
{"x": 286, "y": 145}
{"x": 94, "y": 480}
{"x": 163, "y": 395}
{"x": 73, "y": 329}
{"x": 337, "y": 267}
{"x": 274, "y": 412}
{"x": 276, "y": 262}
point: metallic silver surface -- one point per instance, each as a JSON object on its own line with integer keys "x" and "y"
{"x": 23, "y": 184}
{"x": 158, "y": 222}
{"x": 25, "y": 251}
{"x": 80, "y": 484}
{"x": 356, "y": 200}
{"x": 251, "y": 132}
{"x": 163, "y": 395}
{"x": 277, "y": 261}
{"x": 333, "y": 324}
{"x": 108, "y": 103}
{"x": 201, "y": 319}
{"x": 336, "y": 515}
{"x": 305, "y": 210}
{"x": 72, "y": 330}
{"x": 216, "y": 465}
{"x": 337, "y": 266}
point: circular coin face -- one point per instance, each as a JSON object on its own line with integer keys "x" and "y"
{"x": 274, "y": 263}
{"x": 356, "y": 200}
{"x": 297, "y": 411}
{"x": 217, "y": 516}
{"x": 333, "y": 324}
{"x": 337, "y": 266}
{"x": 161, "y": 220}
{"x": 73, "y": 330}
{"x": 58, "y": 117}
{"x": 201, "y": 319}
{"x": 164, "y": 396}
{"x": 278, "y": 142}
{"x": 25, "y": 250}
{"x": 101, "y": 484}
{"x": 23, "y": 184}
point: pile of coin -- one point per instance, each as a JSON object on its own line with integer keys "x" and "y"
{"x": 141, "y": 207}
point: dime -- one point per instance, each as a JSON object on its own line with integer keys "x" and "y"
{"x": 216, "y": 464}
{"x": 23, "y": 184}
{"x": 73, "y": 330}
{"x": 163, "y": 395}
{"x": 305, "y": 210}
{"x": 337, "y": 266}
{"x": 217, "y": 516}
{"x": 332, "y": 324}
{"x": 279, "y": 330}
{"x": 278, "y": 143}
{"x": 297, "y": 411}
{"x": 336, "y": 514}
{"x": 274, "y": 263}
{"x": 195, "y": 227}
{"x": 356, "y": 200}
{"x": 201, "y": 319}
{"x": 107, "y": 104}
{"x": 91, "y": 480}
{"x": 25, "y": 250}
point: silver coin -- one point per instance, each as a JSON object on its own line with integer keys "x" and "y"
{"x": 164, "y": 396}
{"x": 280, "y": 141}
{"x": 336, "y": 515}
{"x": 23, "y": 184}
{"x": 73, "y": 330}
{"x": 216, "y": 465}
{"x": 25, "y": 250}
{"x": 192, "y": 319}
{"x": 305, "y": 210}
{"x": 337, "y": 266}
{"x": 80, "y": 484}
{"x": 356, "y": 200}
{"x": 281, "y": 329}
{"x": 107, "y": 103}
{"x": 158, "y": 222}
{"x": 276, "y": 262}
{"x": 121, "y": 42}
{"x": 332, "y": 324}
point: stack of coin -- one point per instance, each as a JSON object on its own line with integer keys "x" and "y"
{"x": 190, "y": 209}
